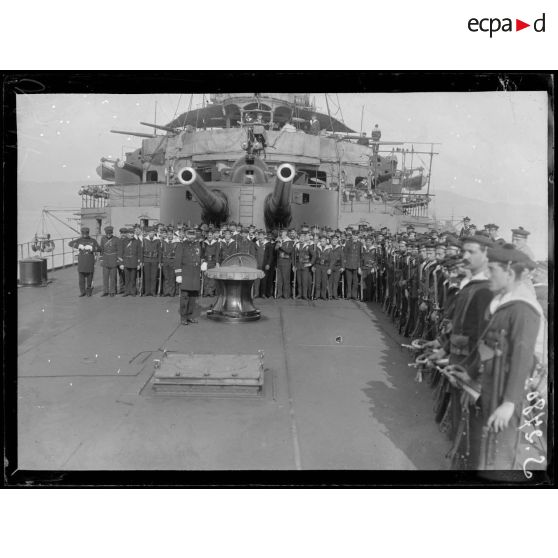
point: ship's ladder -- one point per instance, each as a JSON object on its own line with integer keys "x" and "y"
{"x": 246, "y": 205}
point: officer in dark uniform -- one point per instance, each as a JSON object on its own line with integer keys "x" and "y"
{"x": 187, "y": 264}
{"x": 352, "y": 254}
{"x": 168, "y": 248}
{"x": 87, "y": 247}
{"x": 151, "y": 262}
{"x": 110, "y": 253}
{"x": 131, "y": 256}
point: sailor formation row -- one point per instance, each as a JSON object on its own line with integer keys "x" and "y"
{"x": 311, "y": 263}
{"x": 480, "y": 339}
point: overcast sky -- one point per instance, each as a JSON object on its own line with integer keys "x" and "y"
{"x": 493, "y": 144}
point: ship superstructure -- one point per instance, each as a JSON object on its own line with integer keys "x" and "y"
{"x": 228, "y": 155}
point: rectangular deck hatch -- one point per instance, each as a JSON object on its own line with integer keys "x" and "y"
{"x": 209, "y": 374}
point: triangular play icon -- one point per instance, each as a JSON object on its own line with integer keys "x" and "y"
{"x": 519, "y": 25}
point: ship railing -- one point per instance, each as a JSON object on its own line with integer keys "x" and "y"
{"x": 62, "y": 255}
{"x": 414, "y": 205}
{"x": 92, "y": 201}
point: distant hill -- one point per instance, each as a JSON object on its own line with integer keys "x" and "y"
{"x": 531, "y": 216}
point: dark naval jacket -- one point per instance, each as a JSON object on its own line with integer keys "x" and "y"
{"x": 151, "y": 250}
{"x": 352, "y": 252}
{"x": 86, "y": 253}
{"x": 110, "y": 251}
{"x": 187, "y": 263}
{"x": 264, "y": 254}
{"x": 227, "y": 249}
{"x": 131, "y": 252}
{"x": 168, "y": 249}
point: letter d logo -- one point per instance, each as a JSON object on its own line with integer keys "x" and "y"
{"x": 539, "y": 24}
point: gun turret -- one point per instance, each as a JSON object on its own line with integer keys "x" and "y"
{"x": 215, "y": 206}
{"x": 277, "y": 205}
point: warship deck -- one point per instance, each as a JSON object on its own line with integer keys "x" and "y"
{"x": 84, "y": 366}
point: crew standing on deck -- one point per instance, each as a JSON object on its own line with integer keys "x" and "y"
{"x": 131, "y": 256}
{"x": 110, "y": 254}
{"x": 336, "y": 267}
{"x": 87, "y": 247}
{"x": 211, "y": 255}
{"x": 352, "y": 251}
{"x": 168, "y": 248}
{"x": 188, "y": 267}
{"x": 507, "y": 350}
{"x": 151, "y": 262}
{"x": 284, "y": 248}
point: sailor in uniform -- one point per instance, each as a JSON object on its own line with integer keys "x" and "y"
{"x": 264, "y": 260}
{"x": 110, "y": 253}
{"x": 187, "y": 268}
{"x": 168, "y": 248}
{"x": 321, "y": 265}
{"x": 352, "y": 251}
{"x": 284, "y": 248}
{"x": 211, "y": 249}
{"x": 87, "y": 247}
{"x": 244, "y": 244}
{"x": 151, "y": 262}
{"x": 367, "y": 264}
{"x": 468, "y": 324}
{"x": 507, "y": 350}
{"x": 131, "y": 257}
{"x": 121, "y": 279}
{"x": 519, "y": 238}
{"x": 228, "y": 246}
{"x": 304, "y": 260}
{"x": 314, "y": 126}
{"x": 336, "y": 267}
{"x": 492, "y": 230}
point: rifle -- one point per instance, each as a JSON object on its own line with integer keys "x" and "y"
{"x": 313, "y": 283}
{"x": 488, "y": 441}
{"x": 160, "y": 279}
{"x": 361, "y": 286}
{"x": 275, "y": 292}
{"x": 202, "y": 278}
{"x": 294, "y": 282}
{"x": 140, "y": 275}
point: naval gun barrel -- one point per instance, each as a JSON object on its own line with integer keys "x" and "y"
{"x": 160, "y": 127}
{"x": 123, "y": 165}
{"x": 138, "y": 171}
{"x": 277, "y": 205}
{"x": 215, "y": 205}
